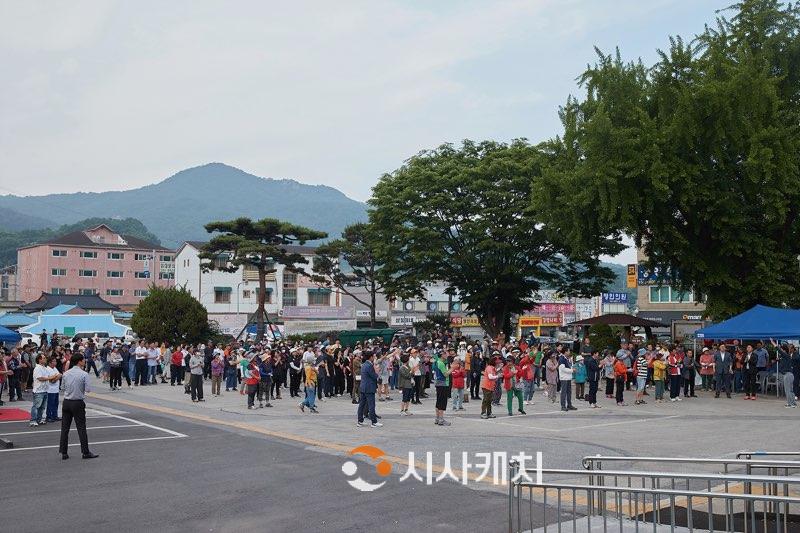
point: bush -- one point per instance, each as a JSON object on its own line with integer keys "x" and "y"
{"x": 171, "y": 315}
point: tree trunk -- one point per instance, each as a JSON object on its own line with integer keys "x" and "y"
{"x": 372, "y": 304}
{"x": 262, "y": 293}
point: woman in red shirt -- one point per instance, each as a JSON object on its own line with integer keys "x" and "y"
{"x": 253, "y": 377}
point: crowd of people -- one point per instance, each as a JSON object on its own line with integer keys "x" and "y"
{"x": 455, "y": 370}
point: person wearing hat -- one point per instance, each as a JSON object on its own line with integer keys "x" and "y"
{"x": 265, "y": 383}
{"x": 311, "y": 388}
{"x": 513, "y": 385}
{"x": 579, "y": 374}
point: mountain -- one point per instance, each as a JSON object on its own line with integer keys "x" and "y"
{"x": 11, "y": 220}
{"x": 10, "y": 241}
{"x": 177, "y": 208}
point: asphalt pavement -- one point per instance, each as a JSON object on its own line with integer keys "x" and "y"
{"x": 161, "y": 473}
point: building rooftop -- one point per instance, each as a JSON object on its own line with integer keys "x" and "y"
{"x": 291, "y": 248}
{"x": 49, "y": 301}
{"x": 80, "y": 238}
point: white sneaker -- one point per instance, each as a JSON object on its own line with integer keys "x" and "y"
{"x": 403, "y": 413}
{"x": 679, "y": 399}
{"x": 34, "y": 424}
{"x": 376, "y": 425}
{"x": 673, "y": 399}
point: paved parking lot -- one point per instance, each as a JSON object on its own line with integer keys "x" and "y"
{"x": 103, "y": 428}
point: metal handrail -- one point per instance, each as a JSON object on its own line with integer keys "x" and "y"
{"x": 792, "y": 480}
{"x": 589, "y": 460}
{"x": 776, "y": 507}
{"x": 749, "y": 455}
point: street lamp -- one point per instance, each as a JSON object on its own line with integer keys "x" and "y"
{"x": 237, "y": 294}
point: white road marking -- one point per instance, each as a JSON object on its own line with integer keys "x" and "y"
{"x": 173, "y": 433}
{"x": 93, "y": 443}
{"x": 619, "y": 423}
{"x": 35, "y": 431}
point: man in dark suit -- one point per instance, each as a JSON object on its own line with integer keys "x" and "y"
{"x": 367, "y": 389}
{"x": 723, "y": 370}
{"x": 593, "y": 377}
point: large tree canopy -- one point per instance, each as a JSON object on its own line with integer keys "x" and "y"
{"x": 261, "y": 244}
{"x": 697, "y": 157}
{"x": 462, "y": 216}
{"x": 171, "y": 315}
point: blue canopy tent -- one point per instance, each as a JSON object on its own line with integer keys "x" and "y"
{"x": 760, "y": 322}
{"x": 9, "y": 335}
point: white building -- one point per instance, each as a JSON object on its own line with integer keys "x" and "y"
{"x": 230, "y": 297}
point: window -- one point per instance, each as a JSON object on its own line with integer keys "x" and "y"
{"x": 87, "y": 273}
{"x": 143, "y": 293}
{"x": 267, "y": 297}
{"x": 56, "y": 290}
{"x": 140, "y": 257}
{"x": 289, "y": 278}
{"x": 58, "y": 272}
{"x": 59, "y": 253}
{"x": 116, "y": 256}
{"x": 221, "y": 261}
{"x": 661, "y": 295}
{"x": 114, "y": 292}
{"x": 88, "y": 255}
{"x": 319, "y": 297}
{"x": 166, "y": 275}
{"x": 141, "y": 275}
{"x": 114, "y": 274}
{"x": 166, "y": 258}
{"x": 87, "y": 292}
{"x": 222, "y": 295}
{"x": 289, "y": 296}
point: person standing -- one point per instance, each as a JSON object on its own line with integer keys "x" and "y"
{"x": 217, "y": 368}
{"x": 565, "y": 377}
{"x": 723, "y": 370}
{"x": 76, "y": 384}
{"x": 153, "y": 355}
{"x": 441, "y": 374}
{"x": 367, "y": 389}
{"x": 476, "y": 369}
{"x": 512, "y": 383}
{"x": 620, "y": 377}
{"x": 405, "y": 382}
{"x": 296, "y": 371}
{"x": 311, "y": 381}
{"x": 458, "y": 378}
{"x": 785, "y": 356}
{"x": 114, "y": 363}
{"x": 176, "y": 367}
{"x": 689, "y": 372}
{"x": 674, "y": 369}
{"x": 265, "y": 371}
{"x": 196, "y": 364}
{"x": 415, "y": 362}
{"x": 487, "y": 387}
{"x": 750, "y": 373}
{"x": 140, "y": 355}
{"x": 593, "y": 378}
{"x": 52, "y": 390}
{"x": 41, "y": 378}
{"x": 356, "y": 369}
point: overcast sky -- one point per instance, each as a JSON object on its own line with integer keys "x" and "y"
{"x": 115, "y": 95}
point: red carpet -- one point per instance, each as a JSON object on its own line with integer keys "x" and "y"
{"x": 10, "y": 413}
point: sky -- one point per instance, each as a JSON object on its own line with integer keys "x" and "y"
{"x": 104, "y": 95}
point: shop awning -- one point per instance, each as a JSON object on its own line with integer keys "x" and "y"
{"x": 223, "y": 289}
{"x": 319, "y": 291}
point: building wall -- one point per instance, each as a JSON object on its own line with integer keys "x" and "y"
{"x": 645, "y": 305}
{"x": 242, "y": 285}
{"x": 35, "y": 267}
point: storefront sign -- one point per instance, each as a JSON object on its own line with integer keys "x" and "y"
{"x": 318, "y": 312}
{"x": 464, "y": 322}
{"x": 631, "y": 280}
{"x": 530, "y": 321}
{"x": 300, "y": 327}
{"x": 405, "y": 320}
{"x": 364, "y": 313}
{"x": 615, "y": 297}
{"x": 555, "y": 308}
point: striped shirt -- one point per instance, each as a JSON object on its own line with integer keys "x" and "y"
{"x": 641, "y": 366}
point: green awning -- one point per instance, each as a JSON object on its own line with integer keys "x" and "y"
{"x": 319, "y": 291}
{"x": 223, "y": 289}
{"x": 269, "y": 289}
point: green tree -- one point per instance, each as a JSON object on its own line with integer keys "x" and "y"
{"x": 351, "y": 265}
{"x": 697, "y": 158}
{"x": 261, "y": 244}
{"x": 462, "y": 216}
{"x": 602, "y": 337}
{"x": 171, "y": 315}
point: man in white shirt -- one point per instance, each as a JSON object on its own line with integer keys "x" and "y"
{"x": 41, "y": 377}
{"x": 141, "y": 364}
{"x": 52, "y": 391}
{"x": 153, "y": 354}
{"x": 414, "y": 365}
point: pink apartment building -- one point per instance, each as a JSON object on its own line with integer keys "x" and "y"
{"x": 118, "y": 268}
